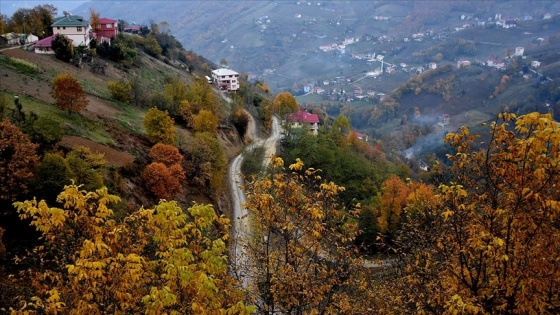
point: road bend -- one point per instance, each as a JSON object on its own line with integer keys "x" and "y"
{"x": 240, "y": 260}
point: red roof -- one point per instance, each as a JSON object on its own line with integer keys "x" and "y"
{"x": 47, "y": 41}
{"x": 106, "y": 21}
{"x": 304, "y": 117}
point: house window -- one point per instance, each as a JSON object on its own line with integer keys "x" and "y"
{"x": 58, "y": 27}
{"x": 64, "y": 27}
{"x": 109, "y": 25}
{"x": 79, "y": 28}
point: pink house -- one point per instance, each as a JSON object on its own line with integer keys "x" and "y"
{"x": 301, "y": 119}
{"x": 44, "y": 46}
{"x": 107, "y": 29}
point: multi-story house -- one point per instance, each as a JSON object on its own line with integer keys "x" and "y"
{"x": 226, "y": 79}
{"x": 106, "y": 29}
{"x": 73, "y": 27}
{"x": 302, "y": 119}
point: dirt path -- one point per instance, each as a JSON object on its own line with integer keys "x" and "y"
{"x": 241, "y": 227}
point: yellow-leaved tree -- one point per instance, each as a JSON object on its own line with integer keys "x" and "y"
{"x": 489, "y": 242}
{"x": 284, "y": 103}
{"x": 154, "y": 261}
{"x": 302, "y": 253}
{"x": 159, "y": 126}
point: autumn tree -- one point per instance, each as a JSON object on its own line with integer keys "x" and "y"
{"x": 284, "y": 103}
{"x": 205, "y": 121}
{"x": 488, "y": 242}
{"x": 18, "y": 159}
{"x": 165, "y": 176}
{"x": 165, "y": 182}
{"x": 340, "y": 128}
{"x": 302, "y": 245}
{"x": 68, "y": 93}
{"x": 175, "y": 91}
{"x": 120, "y": 90}
{"x": 264, "y": 87}
{"x": 151, "y": 46}
{"x": 240, "y": 119}
{"x": 86, "y": 167}
{"x": 154, "y": 261}
{"x": 37, "y": 20}
{"x": 94, "y": 20}
{"x": 394, "y": 192}
{"x": 159, "y": 126}
{"x": 166, "y": 154}
{"x": 206, "y": 161}
{"x": 200, "y": 96}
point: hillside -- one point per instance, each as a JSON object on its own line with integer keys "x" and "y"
{"x": 105, "y": 126}
{"x": 284, "y": 36}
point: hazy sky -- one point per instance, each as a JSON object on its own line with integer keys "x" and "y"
{"x": 9, "y": 7}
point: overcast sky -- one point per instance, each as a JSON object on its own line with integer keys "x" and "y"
{"x": 9, "y": 7}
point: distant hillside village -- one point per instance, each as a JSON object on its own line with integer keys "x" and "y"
{"x": 376, "y": 64}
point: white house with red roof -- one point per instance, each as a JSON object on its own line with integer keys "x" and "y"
{"x": 303, "y": 119}
{"x": 106, "y": 29}
{"x": 44, "y": 46}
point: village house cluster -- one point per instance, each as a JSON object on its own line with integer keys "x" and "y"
{"x": 78, "y": 31}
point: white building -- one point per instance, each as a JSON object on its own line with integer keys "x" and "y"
{"x": 463, "y": 63}
{"x": 226, "y": 79}
{"x": 519, "y": 51}
{"x": 75, "y": 28}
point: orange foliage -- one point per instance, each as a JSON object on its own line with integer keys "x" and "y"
{"x": 18, "y": 159}
{"x": 393, "y": 200}
{"x": 165, "y": 182}
{"x": 166, "y": 154}
{"x": 68, "y": 93}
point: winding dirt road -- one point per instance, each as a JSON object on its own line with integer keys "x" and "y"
{"x": 241, "y": 227}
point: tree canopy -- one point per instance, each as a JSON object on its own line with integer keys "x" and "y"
{"x": 159, "y": 126}
{"x": 68, "y": 93}
{"x": 155, "y": 261}
{"x": 302, "y": 245}
{"x": 284, "y": 103}
{"x": 489, "y": 242}
{"x": 18, "y": 159}
{"x": 62, "y": 47}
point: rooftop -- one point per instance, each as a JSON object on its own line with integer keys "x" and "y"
{"x": 305, "y": 117}
{"x": 224, "y": 71}
{"x": 106, "y": 21}
{"x": 70, "y": 20}
{"x": 47, "y": 41}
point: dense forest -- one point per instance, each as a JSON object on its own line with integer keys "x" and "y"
{"x": 114, "y": 197}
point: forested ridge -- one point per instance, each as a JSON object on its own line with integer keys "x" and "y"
{"x": 339, "y": 225}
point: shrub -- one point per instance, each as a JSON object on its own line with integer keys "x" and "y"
{"x": 120, "y": 90}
